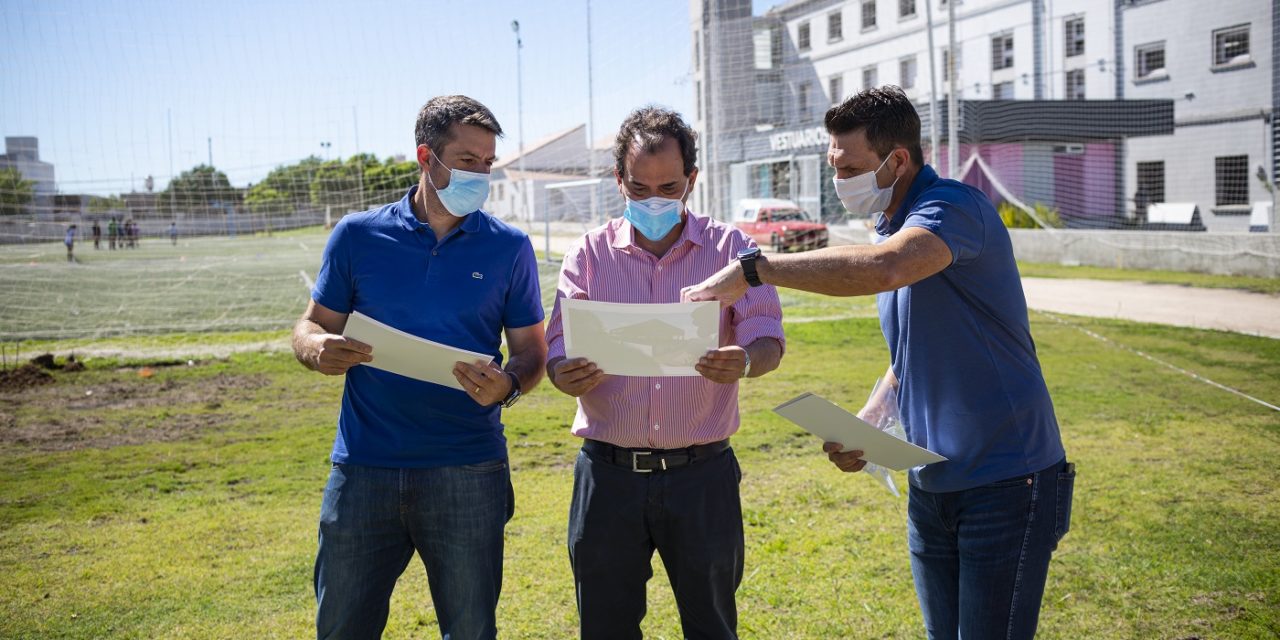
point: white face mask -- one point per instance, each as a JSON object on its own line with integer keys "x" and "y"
{"x": 860, "y": 194}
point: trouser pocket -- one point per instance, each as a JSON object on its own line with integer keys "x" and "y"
{"x": 1065, "y": 490}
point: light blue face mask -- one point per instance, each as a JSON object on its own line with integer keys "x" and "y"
{"x": 467, "y": 190}
{"x": 654, "y": 217}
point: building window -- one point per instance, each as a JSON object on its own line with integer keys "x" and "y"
{"x": 802, "y": 99}
{"x": 1002, "y": 51}
{"x": 1231, "y": 46}
{"x": 697, "y": 89}
{"x": 946, "y": 60}
{"x": 1002, "y": 91}
{"x": 1074, "y": 36}
{"x": 768, "y": 48}
{"x": 697, "y": 52}
{"x": 1075, "y": 84}
{"x": 836, "y": 86}
{"x": 1150, "y": 186}
{"x": 868, "y": 14}
{"x": 835, "y": 26}
{"x": 802, "y": 36}
{"x": 1231, "y": 180}
{"x": 869, "y": 79}
{"x": 906, "y": 8}
{"x": 1150, "y": 61}
{"x": 907, "y": 72}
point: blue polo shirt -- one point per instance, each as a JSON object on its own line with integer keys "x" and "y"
{"x": 960, "y": 344}
{"x": 461, "y": 290}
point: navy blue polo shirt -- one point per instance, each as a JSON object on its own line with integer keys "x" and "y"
{"x": 960, "y": 344}
{"x": 461, "y": 290}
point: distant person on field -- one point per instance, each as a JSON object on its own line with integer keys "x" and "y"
{"x": 113, "y": 233}
{"x": 173, "y": 233}
{"x": 70, "y": 241}
{"x": 419, "y": 466}
{"x": 97, "y": 235}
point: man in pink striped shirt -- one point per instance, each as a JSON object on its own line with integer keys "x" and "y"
{"x": 656, "y": 470}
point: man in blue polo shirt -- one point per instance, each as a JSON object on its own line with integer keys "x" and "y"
{"x": 418, "y": 466}
{"x": 983, "y": 524}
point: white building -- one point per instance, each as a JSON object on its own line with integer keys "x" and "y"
{"x": 1217, "y": 67}
{"x": 557, "y": 181}
{"x": 763, "y": 83}
{"x": 23, "y": 153}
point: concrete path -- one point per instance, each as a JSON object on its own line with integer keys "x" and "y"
{"x": 1224, "y": 309}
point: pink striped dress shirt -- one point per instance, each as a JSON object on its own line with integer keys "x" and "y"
{"x": 664, "y": 412}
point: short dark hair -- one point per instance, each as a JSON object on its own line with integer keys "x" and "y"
{"x": 440, "y": 113}
{"x": 886, "y": 116}
{"x": 648, "y": 127}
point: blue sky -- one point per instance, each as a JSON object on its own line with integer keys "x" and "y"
{"x": 268, "y": 81}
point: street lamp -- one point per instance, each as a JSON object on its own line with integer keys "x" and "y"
{"x": 326, "y": 146}
{"x": 524, "y": 196}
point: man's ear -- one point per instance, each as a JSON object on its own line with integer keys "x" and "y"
{"x": 424, "y": 157}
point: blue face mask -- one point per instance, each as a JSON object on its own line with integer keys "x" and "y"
{"x": 467, "y": 190}
{"x": 654, "y": 217}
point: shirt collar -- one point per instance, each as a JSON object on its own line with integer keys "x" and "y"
{"x": 695, "y": 227}
{"x": 404, "y": 210}
{"x": 924, "y": 180}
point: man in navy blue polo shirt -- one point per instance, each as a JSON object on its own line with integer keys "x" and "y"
{"x": 983, "y": 524}
{"x": 419, "y": 466}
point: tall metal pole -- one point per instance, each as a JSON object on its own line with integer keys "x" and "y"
{"x": 173, "y": 210}
{"x": 953, "y": 141}
{"x": 355, "y": 124}
{"x": 524, "y": 182}
{"x": 591, "y": 113}
{"x": 210, "y": 152}
{"x": 933, "y": 88}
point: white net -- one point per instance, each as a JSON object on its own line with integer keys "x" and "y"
{"x": 1136, "y": 142}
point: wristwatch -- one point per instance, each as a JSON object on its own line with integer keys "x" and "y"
{"x": 747, "y": 258}
{"x": 514, "y": 395}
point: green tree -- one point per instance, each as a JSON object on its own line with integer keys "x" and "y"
{"x": 104, "y": 204}
{"x": 15, "y": 191}
{"x": 390, "y": 180}
{"x": 200, "y": 188}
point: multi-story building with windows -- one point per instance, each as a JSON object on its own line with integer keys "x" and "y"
{"x": 1084, "y": 125}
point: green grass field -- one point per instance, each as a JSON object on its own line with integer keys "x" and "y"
{"x": 184, "y": 504}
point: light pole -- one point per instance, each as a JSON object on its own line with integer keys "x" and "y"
{"x": 524, "y": 196}
{"x": 326, "y": 146}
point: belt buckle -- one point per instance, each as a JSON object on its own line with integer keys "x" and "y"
{"x": 635, "y": 459}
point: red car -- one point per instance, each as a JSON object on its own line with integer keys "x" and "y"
{"x": 779, "y": 224}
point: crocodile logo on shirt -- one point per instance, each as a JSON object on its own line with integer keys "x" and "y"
{"x": 477, "y": 275}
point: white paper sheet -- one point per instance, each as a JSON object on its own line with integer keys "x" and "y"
{"x": 641, "y": 339}
{"x": 825, "y": 419}
{"x": 407, "y": 354}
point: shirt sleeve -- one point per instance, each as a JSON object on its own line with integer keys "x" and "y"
{"x": 334, "y": 288}
{"x": 958, "y": 224}
{"x": 758, "y": 314}
{"x": 524, "y": 296}
{"x": 573, "y": 279}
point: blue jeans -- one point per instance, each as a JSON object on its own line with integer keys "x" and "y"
{"x": 980, "y": 557}
{"x": 373, "y": 519}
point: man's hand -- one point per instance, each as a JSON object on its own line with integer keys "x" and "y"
{"x": 576, "y": 376}
{"x": 727, "y": 286}
{"x": 487, "y": 384}
{"x": 333, "y": 355}
{"x": 847, "y": 461}
{"x": 724, "y": 365}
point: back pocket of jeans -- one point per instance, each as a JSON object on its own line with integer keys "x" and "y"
{"x": 1066, "y": 490}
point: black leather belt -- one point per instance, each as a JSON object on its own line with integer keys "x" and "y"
{"x": 649, "y": 460}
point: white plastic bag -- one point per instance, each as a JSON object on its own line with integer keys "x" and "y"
{"x": 881, "y": 412}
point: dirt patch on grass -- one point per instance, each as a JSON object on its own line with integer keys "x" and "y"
{"x": 66, "y": 413}
{"x": 24, "y": 377}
